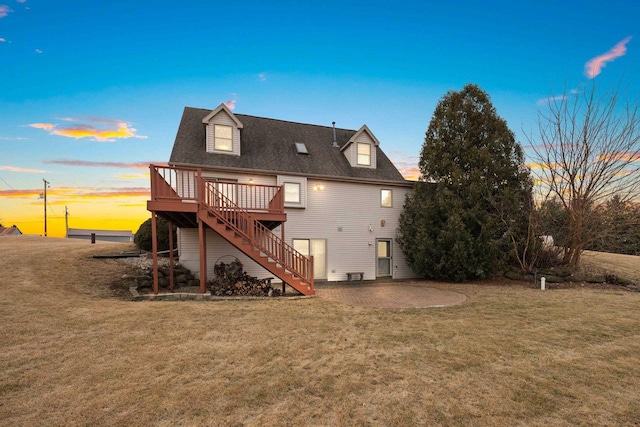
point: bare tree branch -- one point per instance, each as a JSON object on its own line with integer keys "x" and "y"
{"x": 588, "y": 152}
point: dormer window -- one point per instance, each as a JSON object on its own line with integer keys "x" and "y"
{"x": 223, "y": 138}
{"x": 364, "y": 154}
{"x": 222, "y": 131}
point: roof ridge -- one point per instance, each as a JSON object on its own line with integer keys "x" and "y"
{"x": 277, "y": 120}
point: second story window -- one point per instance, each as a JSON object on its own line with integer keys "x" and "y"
{"x": 291, "y": 192}
{"x": 364, "y": 154}
{"x": 223, "y": 139}
{"x": 386, "y": 199}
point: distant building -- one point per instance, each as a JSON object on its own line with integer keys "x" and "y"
{"x": 10, "y": 231}
{"x": 101, "y": 235}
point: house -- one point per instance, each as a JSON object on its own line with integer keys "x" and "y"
{"x": 100, "y": 235}
{"x": 300, "y": 202}
{"x": 10, "y": 231}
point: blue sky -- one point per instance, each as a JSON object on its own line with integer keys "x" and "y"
{"x": 91, "y": 91}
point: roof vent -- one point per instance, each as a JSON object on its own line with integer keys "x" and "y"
{"x": 301, "y": 148}
{"x": 335, "y": 143}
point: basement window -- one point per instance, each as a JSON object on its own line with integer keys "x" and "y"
{"x": 301, "y": 148}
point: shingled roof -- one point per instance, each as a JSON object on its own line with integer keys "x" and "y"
{"x": 268, "y": 146}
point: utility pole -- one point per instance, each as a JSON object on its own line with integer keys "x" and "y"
{"x": 66, "y": 222}
{"x": 46, "y": 184}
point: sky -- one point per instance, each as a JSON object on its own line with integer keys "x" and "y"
{"x": 91, "y": 92}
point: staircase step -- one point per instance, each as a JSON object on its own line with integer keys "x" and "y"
{"x": 229, "y": 233}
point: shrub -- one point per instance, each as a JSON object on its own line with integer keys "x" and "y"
{"x": 143, "y": 235}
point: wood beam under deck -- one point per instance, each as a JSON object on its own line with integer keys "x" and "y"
{"x": 154, "y": 249}
{"x": 171, "y": 278}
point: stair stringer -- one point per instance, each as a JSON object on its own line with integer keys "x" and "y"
{"x": 253, "y": 252}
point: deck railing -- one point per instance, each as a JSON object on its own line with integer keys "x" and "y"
{"x": 183, "y": 183}
{"x": 251, "y": 197}
{"x": 174, "y": 183}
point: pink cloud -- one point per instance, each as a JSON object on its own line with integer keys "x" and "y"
{"x": 17, "y": 169}
{"x": 231, "y": 104}
{"x": 88, "y": 163}
{"x": 595, "y": 65}
{"x": 107, "y": 131}
{"x": 406, "y": 164}
{"x": 45, "y": 126}
{"x": 4, "y": 10}
{"x": 21, "y": 1}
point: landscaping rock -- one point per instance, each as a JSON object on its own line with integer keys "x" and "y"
{"x": 597, "y": 278}
{"x": 515, "y": 276}
{"x": 182, "y": 276}
{"x": 552, "y": 279}
{"x": 562, "y": 271}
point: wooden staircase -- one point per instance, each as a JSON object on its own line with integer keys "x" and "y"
{"x": 241, "y": 222}
{"x": 254, "y": 252}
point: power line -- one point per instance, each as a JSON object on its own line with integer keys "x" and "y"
{"x": 6, "y": 183}
{"x": 51, "y": 207}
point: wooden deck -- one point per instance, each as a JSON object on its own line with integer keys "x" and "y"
{"x": 243, "y": 214}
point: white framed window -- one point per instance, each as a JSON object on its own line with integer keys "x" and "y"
{"x": 386, "y": 198}
{"x": 292, "y": 192}
{"x": 364, "y": 154}
{"x": 222, "y": 138}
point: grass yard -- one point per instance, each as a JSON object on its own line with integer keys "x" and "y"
{"x": 74, "y": 354}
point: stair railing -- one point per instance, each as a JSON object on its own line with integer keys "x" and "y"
{"x": 242, "y": 222}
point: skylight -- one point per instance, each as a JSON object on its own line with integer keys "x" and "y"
{"x": 301, "y": 148}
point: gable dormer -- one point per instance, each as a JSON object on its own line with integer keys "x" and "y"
{"x": 222, "y": 131}
{"x": 360, "y": 150}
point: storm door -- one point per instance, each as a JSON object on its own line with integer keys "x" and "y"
{"x": 383, "y": 255}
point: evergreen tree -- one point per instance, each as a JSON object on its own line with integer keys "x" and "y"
{"x": 472, "y": 202}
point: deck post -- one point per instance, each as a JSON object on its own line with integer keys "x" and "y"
{"x": 202, "y": 239}
{"x": 171, "y": 279}
{"x": 310, "y": 272}
{"x": 154, "y": 249}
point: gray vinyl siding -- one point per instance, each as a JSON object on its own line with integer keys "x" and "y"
{"x": 222, "y": 118}
{"x": 218, "y": 250}
{"x": 331, "y": 206}
{"x": 351, "y": 208}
